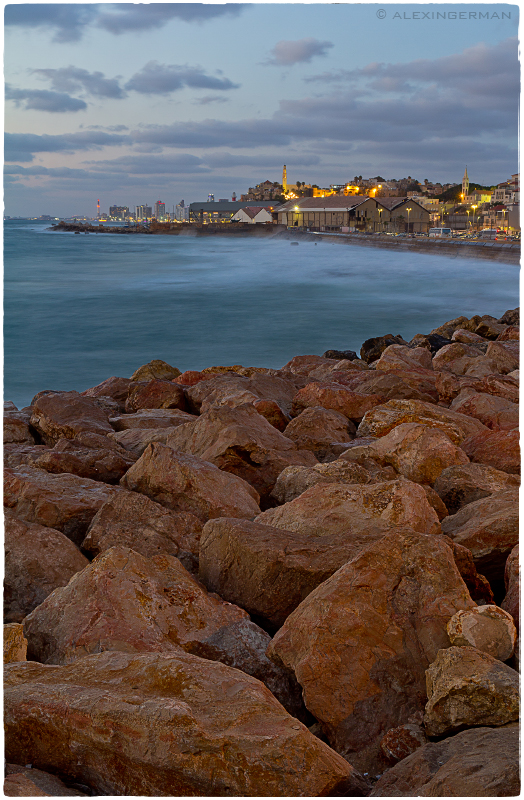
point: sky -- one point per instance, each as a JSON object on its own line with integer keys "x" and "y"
{"x": 134, "y": 103}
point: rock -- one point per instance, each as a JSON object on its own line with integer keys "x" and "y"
{"x": 62, "y": 415}
{"x": 373, "y": 348}
{"x": 107, "y": 464}
{"x": 233, "y": 389}
{"x": 156, "y": 394}
{"x": 462, "y": 484}
{"x": 334, "y": 397}
{"x": 41, "y": 783}
{"x": 240, "y": 441}
{"x": 511, "y": 317}
{"x": 380, "y": 421}
{"x": 512, "y": 332}
{"x": 329, "y": 508}
{"x": 502, "y": 356}
{"x": 392, "y": 385}
{"x": 435, "y": 502}
{"x": 498, "y": 449}
{"x": 178, "y": 724}
{"x": 449, "y": 385}
{"x": 15, "y": 644}
{"x": 468, "y": 688}
{"x": 419, "y": 452}
{"x": 268, "y": 571}
{"x": 133, "y": 520}
{"x": 271, "y": 411}
{"x": 511, "y": 602}
{"x": 489, "y": 528}
{"x": 148, "y": 418}
{"x": 398, "y": 743}
{"x": 350, "y": 355}
{"x": 185, "y": 483}
{"x": 37, "y": 561}
{"x": 398, "y": 356}
{"x": 494, "y": 412}
{"x": 317, "y": 428}
{"x": 293, "y": 481}
{"x": 482, "y": 762}
{"x": 64, "y": 502}
{"x": 478, "y": 585}
{"x": 136, "y": 440}
{"x": 489, "y": 328}
{"x": 488, "y": 628}
{"x": 360, "y": 642}
{"x": 303, "y": 365}
{"x": 450, "y": 327}
{"x": 191, "y": 377}
{"x": 337, "y": 369}
{"x": 116, "y": 388}
{"x": 431, "y": 341}
{"x": 466, "y": 337}
{"x": 16, "y": 427}
{"x": 156, "y": 369}
{"x": 456, "y": 358}
{"x": 501, "y": 385}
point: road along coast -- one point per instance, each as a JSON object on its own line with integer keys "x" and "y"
{"x": 507, "y": 252}
{"x": 196, "y": 563}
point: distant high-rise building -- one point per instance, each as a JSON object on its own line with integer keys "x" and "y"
{"x": 144, "y": 212}
{"x": 160, "y": 209}
{"x": 181, "y": 212}
{"x": 211, "y": 198}
{"x": 118, "y": 212}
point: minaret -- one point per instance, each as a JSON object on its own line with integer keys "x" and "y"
{"x": 465, "y": 184}
{"x": 284, "y": 179}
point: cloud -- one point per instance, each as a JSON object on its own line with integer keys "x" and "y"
{"x": 150, "y": 165}
{"x": 285, "y": 54}
{"x": 43, "y": 100}
{"x": 73, "y": 79}
{"x": 22, "y": 146}
{"x": 69, "y": 21}
{"x": 155, "y": 78}
{"x": 205, "y": 101}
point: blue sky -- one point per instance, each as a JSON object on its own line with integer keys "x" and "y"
{"x": 135, "y": 103}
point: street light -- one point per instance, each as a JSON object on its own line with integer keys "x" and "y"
{"x": 473, "y": 207}
{"x": 409, "y": 211}
{"x": 380, "y": 210}
{"x": 468, "y": 212}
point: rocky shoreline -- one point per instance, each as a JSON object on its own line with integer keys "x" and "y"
{"x": 256, "y": 582}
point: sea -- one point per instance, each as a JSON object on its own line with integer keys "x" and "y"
{"x": 81, "y": 308}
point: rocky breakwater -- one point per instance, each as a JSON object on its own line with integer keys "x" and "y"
{"x": 256, "y": 582}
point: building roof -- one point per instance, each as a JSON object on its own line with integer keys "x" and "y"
{"x": 230, "y": 205}
{"x": 331, "y": 202}
{"x": 393, "y": 202}
{"x": 252, "y": 211}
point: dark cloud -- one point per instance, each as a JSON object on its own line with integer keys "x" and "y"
{"x": 70, "y": 21}
{"x": 205, "y": 101}
{"x": 155, "y": 78}
{"x": 22, "y": 146}
{"x": 48, "y": 172}
{"x": 229, "y": 160}
{"x": 73, "y": 79}
{"x": 43, "y": 100}
{"x": 285, "y": 54}
{"x": 150, "y": 165}
{"x": 110, "y": 128}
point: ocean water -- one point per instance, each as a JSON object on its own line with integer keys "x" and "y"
{"x": 79, "y": 309}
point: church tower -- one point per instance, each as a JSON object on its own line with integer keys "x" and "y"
{"x": 284, "y": 179}
{"x": 465, "y": 184}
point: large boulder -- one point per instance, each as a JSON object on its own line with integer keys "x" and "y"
{"x": 133, "y": 520}
{"x": 496, "y": 413}
{"x": 36, "y": 561}
{"x": 17, "y": 428}
{"x": 448, "y": 328}
{"x": 373, "y": 348}
{"x": 468, "y": 688}
{"x": 380, "y": 421}
{"x": 317, "y": 428}
{"x": 156, "y": 369}
{"x": 182, "y": 482}
{"x": 333, "y": 507}
{"x": 293, "y": 481}
{"x": 240, "y": 441}
{"x": 165, "y": 725}
{"x": 115, "y": 388}
{"x": 62, "y": 415}
{"x": 231, "y": 389}
{"x": 499, "y": 449}
{"x": 464, "y": 483}
{"x": 360, "y": 642}
{"x": 398, "y": 356}
{"x": 28, "y": 782}
{"x": 15, "y": 643}
{"x": 395, "y": 384}
{"x": 478, "y": 586}
{"x": 334, "y": 397}
{"x": 511, "y": 602}
{"x": 136, "y": 440}
{"x": 64, "y": 502}
{"x": 106, "y": 463}
{"x": 490, "y": 529}
{"x": 457, "y": 358}
{"x": 482, "y": 762}
{"x": 151, "y": 418}
{"x": 155, "y": 394}
{"x": 488, "y": 628}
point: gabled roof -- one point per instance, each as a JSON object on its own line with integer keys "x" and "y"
{"x": 331, "y": 202}
{"x": 252, "y": 211}
{"x": 394, "y": 202}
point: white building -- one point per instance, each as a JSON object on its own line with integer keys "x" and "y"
{"x": 252, "y": 214}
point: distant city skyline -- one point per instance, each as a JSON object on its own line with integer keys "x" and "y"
{"x": 132, "y": 103}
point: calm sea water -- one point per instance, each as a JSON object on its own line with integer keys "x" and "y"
{"x": 79, "y": 309}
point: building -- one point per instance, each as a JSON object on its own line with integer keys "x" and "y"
{"x": 160, "y": 210}
{"x": 252, "y": 215}
{"x": 118, "y": 212}
{"x": 143, "y": 213}
{"x": 406, "y": 215}
{"x": 354, "y": 213}
{"x": 181, "y": 212}
{"x": 222, "y": 211}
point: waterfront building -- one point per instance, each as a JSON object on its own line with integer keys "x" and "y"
{"x": 160, "y": 210}
{"x": 253, "y": 214}
{"x": 355, "y": 213}
{"x": 118, "y": 212}
{"x": 406, "y": 215}
{"x": 222, "y": 211}
{"x": 144, "y": 212}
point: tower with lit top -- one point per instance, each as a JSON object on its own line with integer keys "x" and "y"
{"x": 284, "y": 179}
{"x": 465, "y": 184}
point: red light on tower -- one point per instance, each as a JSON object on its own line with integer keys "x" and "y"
{"x": 98, "y": 209}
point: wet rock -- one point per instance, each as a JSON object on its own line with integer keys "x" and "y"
{"x": 133, "y": 520}
{"x": 494, "y": 412}
{"x": 511, "y": 602}
{"x": 483, "y": 762}
{"x": 64, "y": 502}
{"x": 498, "y": 449}
{"x": 148, "y": 418}
{"x": 178, "y": 724}
{"x": 37, "y": 561}
{"x": 334, "y": 397}
{"x": 329, "y": 508}
{"x": 317, "y": 428}
{"x": 185, "y": 483}
{"x": 156, "y": 369}
{"x": 462, "y": 484}
{"x": 155, "y": 394}
{"x": 293, "y": 481}
{"x": 488, "y": 628}
{"x": 380, "y": 619}
{"x": 63, "y": 415}
{"x": 489, "y": 528}
{"x": 15, "y": 644}
{"x": 380, "y": 421}
{"x": 241, "y": 442}
{"x": 468, "y": 688}
{"x": 373, "y": 348}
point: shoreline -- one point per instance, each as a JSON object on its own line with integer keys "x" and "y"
{"x": 507, "y": 252}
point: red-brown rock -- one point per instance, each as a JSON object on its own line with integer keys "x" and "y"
{"x": 499, "y": 449}
{"x": 136, "y": 440}
{"x": 116, "y": 388}
{"x": 271, "y": 411}
{"x": 107, "y": 464}
{"x": 156, "y": 394}
{"x": 392, "y": 385}
{"x": 494, "y": 412}
{"x": 41, "y": 783}
{"x": 511, "y": 602}
{"x": 317, "y": 428}
{"x": 488, "y": 628}
{"x": 63, "y": 415}
{"x": 335, "y": 397}
{"x": 293, "y": 481}
{"x": 16, "y": 427}
{"x": 462, "y": 484}
{"x": 234, "y": 390}
{"x": 151, "y": 418}
{"x": 398, "y": 743}
{"x": 156, "y": 369}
